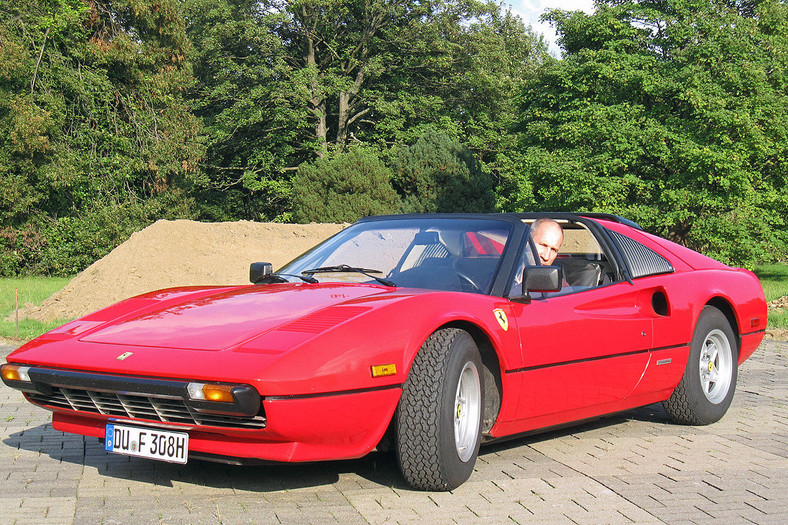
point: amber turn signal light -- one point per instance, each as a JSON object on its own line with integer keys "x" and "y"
{"x": 15, "y": 373}
{"x": 221, "y": 393}
{"x": 211, "y": 392}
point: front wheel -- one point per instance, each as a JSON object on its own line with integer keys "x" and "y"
{"x": 706, "y": 389}
{"x": 439, "y": 418}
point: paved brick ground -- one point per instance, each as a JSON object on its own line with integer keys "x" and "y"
{"x": 632, "y": 468}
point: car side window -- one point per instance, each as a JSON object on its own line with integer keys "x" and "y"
{"x": 584, "y": 262}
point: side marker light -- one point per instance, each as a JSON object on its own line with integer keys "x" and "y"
{"x": 384, "y": 370}
{"x": 755, "y": 321}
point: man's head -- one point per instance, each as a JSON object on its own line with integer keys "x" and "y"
{"x": 548, "y": 236}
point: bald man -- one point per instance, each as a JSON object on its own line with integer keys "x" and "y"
{"x": 548, "y": 236}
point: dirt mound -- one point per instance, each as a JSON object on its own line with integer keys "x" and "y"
{"x": 180, "y": 253}
{"x": 779, "y": 304}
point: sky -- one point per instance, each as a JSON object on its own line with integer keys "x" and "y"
{"x": 530, "y": 10}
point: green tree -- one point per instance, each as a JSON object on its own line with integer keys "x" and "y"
{"x": 439, "y": 174}
{"x": 92, "y": 121}
{"x": 343, "y": 186}
{"x": 672, "y": 112}
{"x": 284, "y": 82}
{"x": 256, "y": 123}
{"x": 463, "y": 80}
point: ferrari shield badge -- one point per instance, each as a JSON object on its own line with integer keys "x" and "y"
{"x": 124, "y": 355}
{"x": 500, "y": 315}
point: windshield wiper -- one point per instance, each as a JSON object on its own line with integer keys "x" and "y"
{"x": 280, "y": 278}
{"x": 341, "y": 268}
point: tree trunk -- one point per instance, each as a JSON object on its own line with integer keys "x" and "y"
{"x": 346, "y": 108}
{"x": 317, "y": 104}
{"x": 344, "y": 116}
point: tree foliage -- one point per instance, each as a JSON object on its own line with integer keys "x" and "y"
{"x": 256, "y": 124}
{"x": 671, "y": 112}
{"x": 439, "y": 174}
{"x": 343, "y": 186}
{"x": 92, "y": 122}
{"x": 281, "y": 83}
{"x": 115, "y": 113}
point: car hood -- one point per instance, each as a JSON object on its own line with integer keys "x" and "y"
{"x": 224, "y": 319}
{"x": 285, "y": 339}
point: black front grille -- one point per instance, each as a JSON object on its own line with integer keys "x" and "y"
{"x": 139, "y": 406}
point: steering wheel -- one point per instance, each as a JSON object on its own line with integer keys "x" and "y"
{"x": 467, "y": 282}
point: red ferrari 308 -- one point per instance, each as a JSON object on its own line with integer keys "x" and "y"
{"x": 427, "y": 334}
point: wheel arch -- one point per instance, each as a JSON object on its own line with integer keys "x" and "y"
{"x": 493, "y": 384}
{"x": 492, "y": 377}
{"x": 724, "y": 306}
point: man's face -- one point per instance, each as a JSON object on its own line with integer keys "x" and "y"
{"x": 548, "y": 241}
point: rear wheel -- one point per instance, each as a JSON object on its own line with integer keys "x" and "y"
{"x": 439, "y": 419}
{"x": 706, "y": 389}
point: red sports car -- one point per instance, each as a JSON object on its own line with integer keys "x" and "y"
{"x": 428, "y": 334}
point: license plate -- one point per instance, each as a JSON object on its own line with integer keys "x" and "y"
{"x": 147, "y": 443}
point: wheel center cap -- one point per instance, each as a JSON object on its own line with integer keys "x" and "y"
{"x": 711, "y": 366}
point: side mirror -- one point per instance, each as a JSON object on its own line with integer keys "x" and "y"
{"x": 258, "y": 270}
{"x": 540, "y": 279}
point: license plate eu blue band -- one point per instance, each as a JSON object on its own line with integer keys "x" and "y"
{"x": 150, "y": 443}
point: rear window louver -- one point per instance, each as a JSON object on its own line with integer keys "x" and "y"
{"x": 642, "y": 261}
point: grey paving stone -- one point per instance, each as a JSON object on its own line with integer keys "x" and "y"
{"x": 635, "y": 467}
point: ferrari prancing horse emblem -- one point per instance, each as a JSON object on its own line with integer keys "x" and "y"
{"x": 124, "y": 355}
{"x": 500, "y": 315}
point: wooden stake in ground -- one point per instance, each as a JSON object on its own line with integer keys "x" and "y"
{"x": 16, "y": 305}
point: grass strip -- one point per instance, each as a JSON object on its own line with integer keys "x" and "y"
{"x": 774, "y": 279}
{"x": 32, "y": 290}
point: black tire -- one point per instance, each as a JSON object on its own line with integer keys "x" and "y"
{"x": 428, "y": 453}
{"x": 705, "y": 392}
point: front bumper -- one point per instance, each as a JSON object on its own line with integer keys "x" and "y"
{"x": 339, "y": 425}
{"x": 315, "y": 428}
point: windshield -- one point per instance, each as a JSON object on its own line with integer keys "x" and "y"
{"x": 438, "y": 254}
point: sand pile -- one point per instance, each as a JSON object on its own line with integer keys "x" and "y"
{"x": 779, "y": 304}
{"x": 180, "y": 253}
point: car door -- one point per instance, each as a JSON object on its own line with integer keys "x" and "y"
{"x": 586, "y": 346}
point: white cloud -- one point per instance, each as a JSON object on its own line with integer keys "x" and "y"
{"x": 530, "y": 10}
